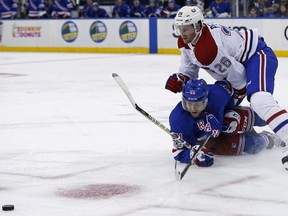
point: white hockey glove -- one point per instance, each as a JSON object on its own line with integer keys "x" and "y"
{"x": 178, "y": 142}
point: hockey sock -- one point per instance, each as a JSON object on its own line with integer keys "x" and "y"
{"x": 268, "y": 109}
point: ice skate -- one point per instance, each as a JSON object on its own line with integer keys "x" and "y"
{"x": 274, "y": 140}
{"x": 285, "y": 157}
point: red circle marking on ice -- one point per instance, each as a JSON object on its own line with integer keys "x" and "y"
{"x": 98, "y": 191}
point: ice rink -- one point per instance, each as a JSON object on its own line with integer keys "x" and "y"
{"x": 72, "y": 144}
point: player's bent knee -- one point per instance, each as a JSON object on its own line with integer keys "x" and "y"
{"x": 263, "y": 103}
{"x": 254, "y": 143}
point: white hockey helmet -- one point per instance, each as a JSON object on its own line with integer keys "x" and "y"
{"x": 189, "y": 15}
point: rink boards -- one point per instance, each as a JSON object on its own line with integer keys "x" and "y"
{"x": 120, "y": 35}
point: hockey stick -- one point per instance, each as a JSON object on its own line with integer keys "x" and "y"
{"x": 123, "y": 86}
{"x": 121, "y": 83}
{"x": 180, "y": 174}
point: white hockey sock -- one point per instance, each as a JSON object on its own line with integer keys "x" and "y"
{"x": 264, "y": 104}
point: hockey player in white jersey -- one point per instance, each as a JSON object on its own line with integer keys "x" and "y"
{"x": 241, "y": 57}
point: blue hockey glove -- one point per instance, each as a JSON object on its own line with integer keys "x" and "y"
{"x": 184, "y": 156}
{"x": 204, "y": 158}
{"x": 176, "y": 82}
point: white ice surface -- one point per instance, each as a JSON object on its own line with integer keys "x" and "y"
{"x": 65, "y": 124}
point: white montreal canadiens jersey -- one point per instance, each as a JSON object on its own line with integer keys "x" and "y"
{"x": 221, "y": 52}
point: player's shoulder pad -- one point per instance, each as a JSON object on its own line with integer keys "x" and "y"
{"x": 206, "y": 49}
{"x": 181, "y": 43}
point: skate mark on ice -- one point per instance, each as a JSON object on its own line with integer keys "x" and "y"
{"x": 211, "y": 191}
{"x": 3, "y": 188}
{"x": 56, "y": 176}
{"x": 180, "y": 210}
{"x": 11, "y": 74}
{"x": 229, "y": 183}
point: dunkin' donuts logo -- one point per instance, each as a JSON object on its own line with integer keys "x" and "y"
{"x": 26, "y": 31}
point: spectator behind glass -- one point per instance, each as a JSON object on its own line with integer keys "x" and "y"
{"x": 219, "y": 8}
{"x": 283, "y": 11}
{"x": 273, "y": 11}
{"x": 99, "y": 12}
{"x": 33, "y": 9}
{"x": 48, "y": 8}
{"x": 152, "y": 10}
{"x": 258, "y": 5}
{"x": 87, "y": 11}
{"x": 62, "y": 9}
{"x": 137, "y": 10}
{"x": 92, "y": 10}
{"x": 253, "y": 13}
{"x": 283, "y": 2}
{"x": 198, "y": 3}
{"x": 207, "y": 4}
{"x": 8, "y": 9}
{"x": 171, "y": 10}
{"x": 120, "y": 9}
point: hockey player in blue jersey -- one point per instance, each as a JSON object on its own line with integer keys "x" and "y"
{"x": 152, "y": 10}
{"x": 120, "y": 9}
{"x": 62, "y": 9}
{"x": 8, "y": 9}
{"x": 92, "y": 10}
{"x": 137, "y": 10}
{"x": 202, "y": 113}
{"x": 220, "y": 8}
{"x": 35, "y": 9}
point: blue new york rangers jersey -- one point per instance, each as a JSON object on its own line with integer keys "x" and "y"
{"x": 219, "y": 99}
{"x": 62, "y": 8}
{"x": 35, "y": 7}
{"x": 152, "y": 11}
{"x": 121, "y": 11}
{"x": 8, "y": 9}
{"x": 220, "y": 8}
{"x": 137, "y": 11}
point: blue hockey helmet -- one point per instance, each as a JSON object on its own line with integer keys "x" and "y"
{"x": 195, "y": 96}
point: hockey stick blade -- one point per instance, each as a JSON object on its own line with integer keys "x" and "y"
{"x": 180, "y": 174}
{"x": 121, "y": 83}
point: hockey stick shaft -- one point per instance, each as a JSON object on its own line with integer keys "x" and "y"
{"x": 180, "y": 174}
{"x": 123, "y": 86}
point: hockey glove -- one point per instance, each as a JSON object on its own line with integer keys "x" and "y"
{"x": 204, "y": 158}
{"x": 183, "y": 156}
{"x": 176, "y": 82}
{"x": 178, "y": 142}
{"x": 231, "y": 123}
